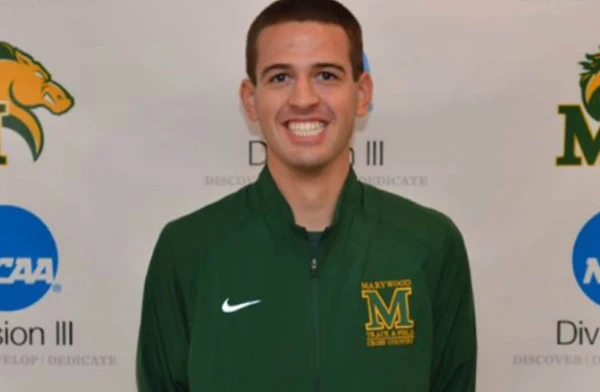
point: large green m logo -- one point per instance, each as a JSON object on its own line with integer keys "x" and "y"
{"x": 382, "y": 316}
{"x": 578, "y": 133}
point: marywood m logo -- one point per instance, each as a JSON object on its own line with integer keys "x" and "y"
{"x": 577, "y": 130}
{"x": 389, "y": 321}
{"x": 26, "y": 85}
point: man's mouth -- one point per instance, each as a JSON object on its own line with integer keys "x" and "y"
{"x": 306, "y": 128}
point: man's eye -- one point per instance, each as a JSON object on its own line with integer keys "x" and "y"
{"x": 327, "y": 76}
{"x": 279, "y": 78}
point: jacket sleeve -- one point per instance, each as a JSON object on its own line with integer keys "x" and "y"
{"x": 454, "y": 362}
{"x": 163, "y": 340}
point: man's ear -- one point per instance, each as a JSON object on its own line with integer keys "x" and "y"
{"x": 365, "y": 94}
{"x": 247, "y": 96}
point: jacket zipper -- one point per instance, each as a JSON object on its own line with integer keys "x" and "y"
{"x": 313, "y": 274}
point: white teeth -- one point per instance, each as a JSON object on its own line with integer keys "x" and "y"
{"x": 306, "y": 129}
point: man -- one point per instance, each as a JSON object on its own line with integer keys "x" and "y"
{"x": 308, "y": 280}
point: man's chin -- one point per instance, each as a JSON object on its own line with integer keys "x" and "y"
{"x": 309, "y": 166}
{"x": 304, "y": 162}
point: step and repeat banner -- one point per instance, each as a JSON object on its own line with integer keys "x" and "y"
{"x": 121, "y": 115}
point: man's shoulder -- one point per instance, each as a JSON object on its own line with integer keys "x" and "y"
{"x": 424, "y": 223}
{"x": 222, "y": 214}
{"x": 402, "y": 211}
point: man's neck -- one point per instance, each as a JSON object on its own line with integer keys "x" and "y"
{"x": 312, "y": 196}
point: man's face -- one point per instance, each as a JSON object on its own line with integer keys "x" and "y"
{"x": 305, "y": 98}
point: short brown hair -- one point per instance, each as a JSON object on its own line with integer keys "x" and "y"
{"x": 324, "y": 11}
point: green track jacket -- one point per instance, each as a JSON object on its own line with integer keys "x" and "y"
{"x": 234, "y": 299}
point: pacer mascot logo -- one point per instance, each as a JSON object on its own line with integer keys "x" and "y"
{"x": 26, "y": 85}
{"x": 577, "y": 132}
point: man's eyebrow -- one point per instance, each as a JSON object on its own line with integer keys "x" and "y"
{"x": 331, "y": 65}
{"x": 284, "y": 67}
{"x": 278, "y": 66}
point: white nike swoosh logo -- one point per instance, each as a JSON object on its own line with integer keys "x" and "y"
{"x": 226, "y": 308}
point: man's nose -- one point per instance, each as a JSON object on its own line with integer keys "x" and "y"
{"x": 303, "y": 94}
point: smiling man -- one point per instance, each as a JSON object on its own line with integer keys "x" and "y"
{"x": 308, "y": 280}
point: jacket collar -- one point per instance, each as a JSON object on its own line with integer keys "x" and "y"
{"x": 266, "y": 198}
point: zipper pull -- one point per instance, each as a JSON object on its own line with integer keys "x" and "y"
{"x": 313, "y": 268}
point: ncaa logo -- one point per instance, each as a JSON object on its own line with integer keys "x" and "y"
{"x": 586, "y": 256}
{"x": 28, "y": 259}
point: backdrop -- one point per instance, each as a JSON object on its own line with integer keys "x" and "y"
{"x": 118, "y": 116}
